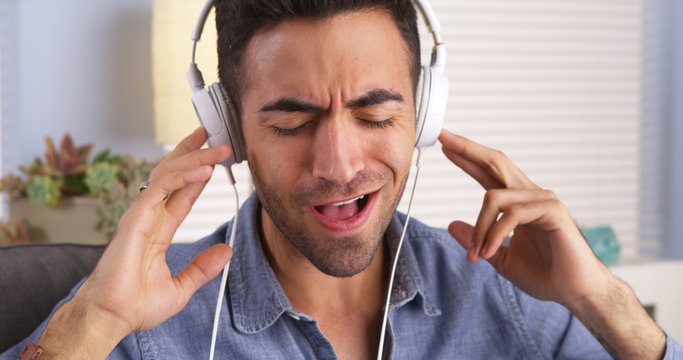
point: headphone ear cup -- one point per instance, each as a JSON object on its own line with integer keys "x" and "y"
{"x": 430, "y": 106}
{"x": 209, "y": 117}
{"x": 228, "y": 113}
{"x": 420, "y": 104}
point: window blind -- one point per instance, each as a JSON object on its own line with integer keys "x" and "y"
{"x": 555, "y": 84}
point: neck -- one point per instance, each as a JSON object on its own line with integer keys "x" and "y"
{"x": 317, "y": 294}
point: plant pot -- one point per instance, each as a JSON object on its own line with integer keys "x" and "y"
{"x": 72, "y": 221}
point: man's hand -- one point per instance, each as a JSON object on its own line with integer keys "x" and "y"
{"x": 131, "y": 288}
{"x": 547, "y": 257}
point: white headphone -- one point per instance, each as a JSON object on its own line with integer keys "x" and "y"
{"x": 217, "y": 113}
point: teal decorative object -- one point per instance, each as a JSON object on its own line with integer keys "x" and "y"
{"x": 603, "y": 241}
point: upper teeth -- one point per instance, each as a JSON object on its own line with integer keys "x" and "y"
{"x": 348, "y": 201}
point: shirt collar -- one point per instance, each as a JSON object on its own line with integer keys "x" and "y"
{"x": 409, "y": 282}
{"x": 256, "y": 298}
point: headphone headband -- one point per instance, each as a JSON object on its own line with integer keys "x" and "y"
{"x": 438, "y": 61}
{"x": 217, "y": 113}
{"x": 425, "y": 9}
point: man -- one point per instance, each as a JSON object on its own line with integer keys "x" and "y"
{"x": 325, "y": 93}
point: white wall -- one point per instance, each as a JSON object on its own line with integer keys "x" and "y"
{"x": 656, "y": 285}
{"x": 79, "y": 66}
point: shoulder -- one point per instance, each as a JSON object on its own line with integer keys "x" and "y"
{"x": 437, "y": 252}
{"x": 440, "y": 265}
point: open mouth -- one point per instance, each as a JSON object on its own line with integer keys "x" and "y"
{"x": 346, "y": 214}
{"x": 344, "y": 210}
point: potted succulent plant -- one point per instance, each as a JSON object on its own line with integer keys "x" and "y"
{"x": 66, "y": 198}
{"x": 13, "y": 233}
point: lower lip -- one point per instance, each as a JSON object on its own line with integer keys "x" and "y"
{"x": 351, "y": 223}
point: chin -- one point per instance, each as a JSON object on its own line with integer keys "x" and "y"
{"x": 335, "y": 252}
{"x": 343, "y": 257}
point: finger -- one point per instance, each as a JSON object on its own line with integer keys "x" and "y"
{"x": 518, "y": 214}
{"x": 499, "y": 261}
{"x": 479, "y": 157}
{"x": 191, "y": 142}
{"x": 492, "y": 162}
{"x": 201, "y": 270}
{"x": 497, "y": 201}
{"x": 180, "y": 202}
{"x": 462, "y": 232}
{"x": 482, "y": 177}
{"x": 158, "y": 190}
{"x": 197, "y": 158}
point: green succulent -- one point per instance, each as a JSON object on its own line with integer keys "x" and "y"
{"x": 99, "y": 177}
{"x": 65, "y": 172}
{"x": 43, "y": 189}
{"x": 113, "y": 204}
{"x": 132, "y": 172}
{"x": 116, "y": 201}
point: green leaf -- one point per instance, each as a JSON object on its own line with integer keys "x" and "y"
{"x": 101, "y": 156}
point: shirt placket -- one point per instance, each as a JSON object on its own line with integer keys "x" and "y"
{"x": 321, "y": 346}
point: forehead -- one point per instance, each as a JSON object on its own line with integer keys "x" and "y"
{"x": 349, "y": 53}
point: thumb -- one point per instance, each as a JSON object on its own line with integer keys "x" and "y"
{"x": 201, "y": 270}
{"x": 462, "y": 232}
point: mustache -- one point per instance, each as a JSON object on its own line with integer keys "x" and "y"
{"x": 322, "y": 188}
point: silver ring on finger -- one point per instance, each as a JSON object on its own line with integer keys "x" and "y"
{"x": 144, "y": 185}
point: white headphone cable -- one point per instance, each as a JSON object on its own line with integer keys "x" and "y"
{"x": 385, "y": 317}
{"x": 224, "y": 277}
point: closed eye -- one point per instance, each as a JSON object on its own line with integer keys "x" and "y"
{"x": 289, "y": 131}
{"x": 377, "y": 124}
{"x": 383, "y": 124}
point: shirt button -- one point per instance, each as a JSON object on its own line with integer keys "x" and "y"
{"x": 293, "y": 316}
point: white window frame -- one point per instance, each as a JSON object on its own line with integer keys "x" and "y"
{"x": 674, "y": 231}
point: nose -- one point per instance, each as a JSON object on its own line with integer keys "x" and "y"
{"x": 337, "y": 151}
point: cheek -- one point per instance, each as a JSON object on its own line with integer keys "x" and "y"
{"x": 393, "y": 151}
{"x": 277, "y": 166}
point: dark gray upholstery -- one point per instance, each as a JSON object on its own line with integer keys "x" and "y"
{"x": 33, "y": 278}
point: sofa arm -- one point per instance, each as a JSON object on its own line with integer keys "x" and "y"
{"x": 33, "y": 278}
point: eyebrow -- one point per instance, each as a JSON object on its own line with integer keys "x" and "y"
{"x": 373, "y": 97}
{"x": 291, "y": 105}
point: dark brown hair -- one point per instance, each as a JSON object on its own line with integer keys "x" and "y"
{"x": 238, "y": 20}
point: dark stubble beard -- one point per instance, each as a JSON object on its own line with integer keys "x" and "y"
{"x": 335, "y": 256}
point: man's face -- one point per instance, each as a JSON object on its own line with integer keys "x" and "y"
{"x": 329, "y": 121}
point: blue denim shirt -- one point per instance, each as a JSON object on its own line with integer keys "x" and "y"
{"x": 442, "y": 307}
